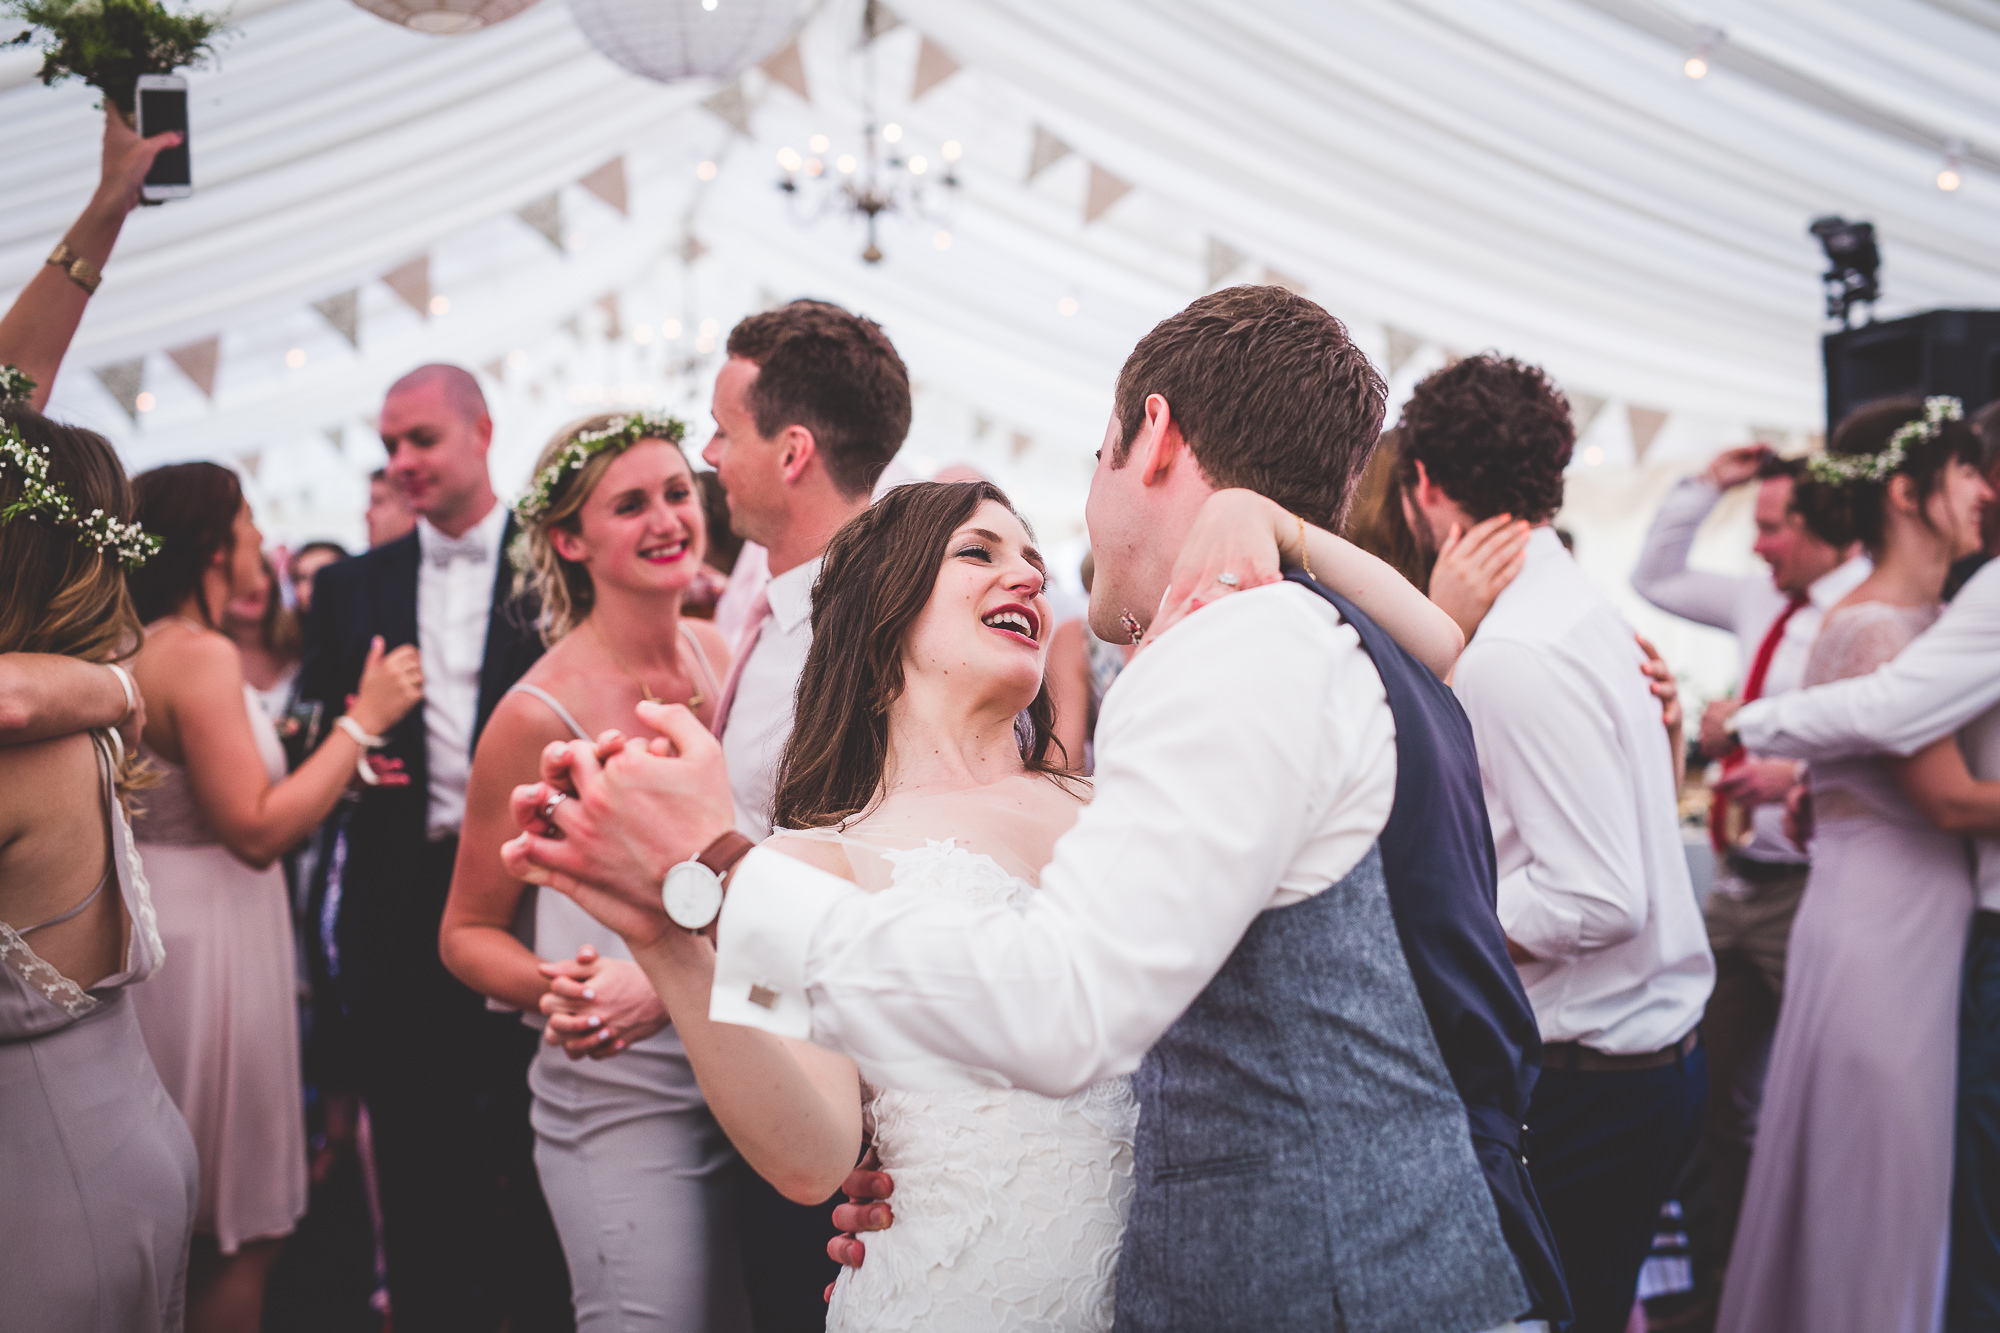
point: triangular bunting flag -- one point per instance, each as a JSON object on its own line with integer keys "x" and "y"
{"x": 608, "y": 184}
{"x": 412, "y": 282}
{"x": 545, "y": 216}
{"x": 343, "y": 311}
{"x": 1402, "y": 346}
{"x": 1020, "y": 444}
{"x": 770, "y": 300}
{"x": 1583, "y": 409}
{"x": 981, "y": 423}
{"x": 1105, "y": 190}
{"x": 124, "y": 379}
{"x": 878, "y": 19}
{"x": 1273, "y": 278}
{"x": 197, "y": 362}
{"x": 729, "y": 105}
{"x": 251, "y": 461}
{"x": 789, "y": 68}
{"x": 1048, "y": 151}
{"x": 573, "y": 327}
{"x": 1645, "y": 423}
{"x": 608, "y": 303}
{"x": 1223, "y": 260}
{"x": 335, "y": 436}
{"x": 496, "y": 369}
{"x": 692, "y": 249}
{"x": 934, "y": 66}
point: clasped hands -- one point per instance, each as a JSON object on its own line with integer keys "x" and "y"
{"x": 609, "y": 817}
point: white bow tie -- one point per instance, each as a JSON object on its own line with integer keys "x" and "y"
{"x": 443, "y": 550}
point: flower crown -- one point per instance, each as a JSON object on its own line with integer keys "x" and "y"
{"x": 39, "y": 498}
{"x": 620, "y": 435}
{"x": 1840, "y": 469}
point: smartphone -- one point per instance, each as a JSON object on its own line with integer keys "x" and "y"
{"x": 163, "y": 106}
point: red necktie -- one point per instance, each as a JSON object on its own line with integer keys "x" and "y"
{"x": 1753, "y": 688}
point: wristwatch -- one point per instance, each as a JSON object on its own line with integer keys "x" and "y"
{"x": 692, "y": 890}
{"x": 80, "y": 270}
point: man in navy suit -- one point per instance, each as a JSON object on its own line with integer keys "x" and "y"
{"x": 466, "y": 1231}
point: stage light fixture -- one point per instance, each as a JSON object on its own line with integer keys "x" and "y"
{"x": 1853, "y": 261}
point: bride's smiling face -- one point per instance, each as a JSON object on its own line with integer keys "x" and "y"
{"x": 986, "y": 626}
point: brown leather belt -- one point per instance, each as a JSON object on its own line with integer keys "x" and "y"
{"x": 1581, "y": 1059}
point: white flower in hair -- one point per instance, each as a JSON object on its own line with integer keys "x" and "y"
{"x": 621, "y": 434}
{"x": 1840, "y": 469}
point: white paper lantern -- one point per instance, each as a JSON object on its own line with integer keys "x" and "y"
{"x": 445, "y": 17}
{"x": 686, "y": 39}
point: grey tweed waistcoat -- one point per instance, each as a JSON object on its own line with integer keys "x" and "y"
{"x": 1303, "y": 1161}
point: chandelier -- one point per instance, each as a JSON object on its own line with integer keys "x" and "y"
{"x": 884, "y": 176}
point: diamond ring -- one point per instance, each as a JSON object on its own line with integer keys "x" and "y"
{"x": 1227, "y": 580}
{"x": 546, "y": 812}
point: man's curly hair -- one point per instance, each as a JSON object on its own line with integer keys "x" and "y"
{"x": 1493, "y": 434}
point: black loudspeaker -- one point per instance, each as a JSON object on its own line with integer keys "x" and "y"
{"x": 1955, "y": 352}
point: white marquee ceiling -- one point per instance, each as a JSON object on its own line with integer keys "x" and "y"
{"x": 1537, "y": 176}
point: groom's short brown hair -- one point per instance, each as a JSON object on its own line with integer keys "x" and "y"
{"x": 1268, "y": 390}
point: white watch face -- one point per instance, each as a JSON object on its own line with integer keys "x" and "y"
{"x": 692, "y": 895}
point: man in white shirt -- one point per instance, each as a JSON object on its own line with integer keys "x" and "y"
{"x": 810, "y": 407}
{"x": 1760, "y": 873}
{"x": 467, "y": 1234}
{"x": 1946, "y": 681}
{"x": 1594, "y": 891}
{"x": 1248, "y": 761}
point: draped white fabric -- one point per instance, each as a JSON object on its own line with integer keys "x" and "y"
{"x": 1537, "y": 176}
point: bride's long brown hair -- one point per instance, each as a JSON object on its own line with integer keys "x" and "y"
{"x": 879, "y": 573}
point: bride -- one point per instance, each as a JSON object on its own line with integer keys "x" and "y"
{"x": 927, "y": 765}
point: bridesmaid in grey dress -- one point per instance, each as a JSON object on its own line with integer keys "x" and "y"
{"x": 638, "y": 1175}
{"x": 1847, "y": 1209}
{"x": 96, "y": 1165}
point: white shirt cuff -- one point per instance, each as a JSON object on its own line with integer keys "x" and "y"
{"x": 1541, "y": 927}
{"x": 774, "y": 905}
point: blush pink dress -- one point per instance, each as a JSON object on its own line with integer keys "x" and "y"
{"x": 221, "y": 1018}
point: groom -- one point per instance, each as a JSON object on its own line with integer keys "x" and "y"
{"x": 1278, "y": 909}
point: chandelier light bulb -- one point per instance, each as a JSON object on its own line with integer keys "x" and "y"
{"x": 296, "y": 358}
{"x": 845, "y": 164}
{"x": 145, "y": 402}
{"x": 819, "y": 143}
{"x": 705, "y": 171}
{"x": 952, "y": 150}
{"x": 643, "y": 334}
{"x": 1948, "y": 180}
{"x": 671, "y": 328}
{"x": 1707, "y": 39}
{"x": 892, "y": 133}
{"x": 918, "y": 165}
{"x": 1696, "y": 67}
{"x": 789, "y": 158}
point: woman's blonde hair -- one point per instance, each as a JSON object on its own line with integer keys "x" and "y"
{"x": 64, "y": 596}
{"x": 558, "y": 497}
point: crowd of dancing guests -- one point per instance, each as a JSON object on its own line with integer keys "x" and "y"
{"x": 1303, "y": 939}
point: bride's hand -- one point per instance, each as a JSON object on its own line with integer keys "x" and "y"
{"x": 1234, "y": 544}
{"x": 599, "y": 1006}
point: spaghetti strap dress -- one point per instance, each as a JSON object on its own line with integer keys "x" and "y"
{"x": 222, "y": 1021}
{"x": 639, "y": 1177}
{"x": 98, "y": 1168}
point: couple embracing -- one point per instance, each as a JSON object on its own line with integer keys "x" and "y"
{"x": 1227, "y": 1039}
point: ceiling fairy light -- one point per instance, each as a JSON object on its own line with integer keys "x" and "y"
{"x": 879, "y": 180}
{"x": 1948, "y": 177}
{"x": 1707, "y": 39}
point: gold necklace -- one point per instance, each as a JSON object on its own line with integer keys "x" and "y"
{"x": 694, "y": 699}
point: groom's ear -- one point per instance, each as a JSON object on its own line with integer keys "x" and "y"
{"x": 1160, "y": 446}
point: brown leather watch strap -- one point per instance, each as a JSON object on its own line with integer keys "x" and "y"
{"x": 722, "y": 855}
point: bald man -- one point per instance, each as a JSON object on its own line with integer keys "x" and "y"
{"x": 469, "y": 1242}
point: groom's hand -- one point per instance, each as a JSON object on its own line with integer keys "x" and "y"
{"x": 866, "y": 1209}
{"x": 624, "y": 820}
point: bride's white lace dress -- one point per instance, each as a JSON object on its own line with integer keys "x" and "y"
{"x": 1009, "y": 1206}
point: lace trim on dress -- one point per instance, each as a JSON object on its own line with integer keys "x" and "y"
{"x": 65, "y": 994}
{"x": 142, "y": 898}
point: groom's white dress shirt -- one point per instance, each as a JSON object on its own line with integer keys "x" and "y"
{"x": 760, "y": 716}
{"x": 1245, "y": 760}
{"x": 1947, "y": 680}
{"x": 1580, "y": 789}
{"x": 454, "y": 603}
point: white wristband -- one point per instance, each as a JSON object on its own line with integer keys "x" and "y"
{"x": 131, "y": 694}
{"x": 369, "y": 777}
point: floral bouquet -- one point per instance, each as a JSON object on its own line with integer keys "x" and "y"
{"x": 110, "y": 43}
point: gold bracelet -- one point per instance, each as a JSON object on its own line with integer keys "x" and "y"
{"x": 1305, "y": 558}
{"x": 80, "y": 270}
